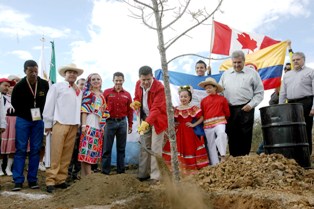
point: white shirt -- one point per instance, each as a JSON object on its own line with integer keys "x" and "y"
{"x": 145, "y": 97}
{"x": 242, "y": 87}
{"x": 3, "y": 123}
{"x": 62, "y": 105}
{"x": 297, "y": 84}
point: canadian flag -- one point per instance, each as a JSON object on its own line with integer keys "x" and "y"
{"x": 226, "y": 40}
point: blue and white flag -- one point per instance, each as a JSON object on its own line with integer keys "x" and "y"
{"x": 177, "y": 79}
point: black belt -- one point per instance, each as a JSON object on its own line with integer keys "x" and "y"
{"x": 117, "y": 119}
{"x": 299, "y": 99}
{"x": 237, "y": 106}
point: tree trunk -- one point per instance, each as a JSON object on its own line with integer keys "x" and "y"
{"x": 170, "y": 112}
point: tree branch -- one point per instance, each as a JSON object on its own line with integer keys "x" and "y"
{"x": 194, "y": 26}
{"x": 196, "y": 55}
{"x": 145, "y": 5}
{"x": 179, "y": 16}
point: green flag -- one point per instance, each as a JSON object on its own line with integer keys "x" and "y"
{"x": 52, "y": 72}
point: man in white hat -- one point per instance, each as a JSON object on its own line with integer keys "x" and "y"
{"x": 62, "y": 118}
{"x": 244, "y": 90}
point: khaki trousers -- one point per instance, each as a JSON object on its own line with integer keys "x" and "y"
{"x": 148, "y": 164}
{"x": 62, "y": 144}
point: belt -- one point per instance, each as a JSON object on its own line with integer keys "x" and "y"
{"x": 237, "y": 106}
{"x": 299, "y": 99}
{"x": 117, "y": 119}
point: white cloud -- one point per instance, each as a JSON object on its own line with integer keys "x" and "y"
{"x": 119, "y": 42}
{"x": 23, "y": 55}
{"x": 16, "y": 24}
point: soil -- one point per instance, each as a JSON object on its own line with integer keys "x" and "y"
{"x": 259, "y": 182}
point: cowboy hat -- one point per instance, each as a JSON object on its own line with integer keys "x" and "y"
{"x": 71, "y": 66}
{"x": 12, "y": 83}
{"x": 211, "y": 81}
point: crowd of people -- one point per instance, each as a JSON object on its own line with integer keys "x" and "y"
{"x": 83, "y": 121}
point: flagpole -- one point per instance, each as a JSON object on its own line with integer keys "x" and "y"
{"x": 42, "y": 65}
{"x": 210, "y": 48}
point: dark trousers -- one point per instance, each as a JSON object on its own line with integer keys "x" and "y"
{"x": 239, "y": 130}
{"x": 34, "y": 132}
{"x": 75, "y": 165}
{"x": 114, "y": 128}
{"x": 307, "y": 106}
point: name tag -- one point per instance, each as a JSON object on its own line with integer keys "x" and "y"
{"x": 35, "y": 114}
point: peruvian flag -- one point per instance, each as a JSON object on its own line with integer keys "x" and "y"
{"x": 226, "y": 40}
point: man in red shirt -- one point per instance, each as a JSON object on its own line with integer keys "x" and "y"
{"x": 118, "y": 101}
{"x": 150, "y": 100}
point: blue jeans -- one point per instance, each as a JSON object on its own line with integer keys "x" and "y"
{"x": 114, "y": 128}
{"x": 34, "y": 131}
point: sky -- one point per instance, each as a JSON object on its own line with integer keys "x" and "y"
{"x": 102, "y": 36}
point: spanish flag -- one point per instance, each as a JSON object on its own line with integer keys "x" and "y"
{"x": 268, "y": 62}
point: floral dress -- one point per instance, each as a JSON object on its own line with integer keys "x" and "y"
{"x": 90, "y": 148}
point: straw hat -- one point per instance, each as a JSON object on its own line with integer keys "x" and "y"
{"x": 211, "y": 81}
{"x": 71, "y": 66}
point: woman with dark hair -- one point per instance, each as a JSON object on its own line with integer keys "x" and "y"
{"x": 93, "y": 123}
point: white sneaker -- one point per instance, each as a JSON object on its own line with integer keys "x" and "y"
{"x": 9, "y": 173}
{"x": 41, "y": 166}
{"x": 1, "y": 172}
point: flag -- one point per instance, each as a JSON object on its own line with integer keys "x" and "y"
{"x": 268, "y": 62}
{"x": 177, "y": 79}
{"x": 52, "y": 72}
{"x": 226, "y": 40}
{"x": 42, "y": 72}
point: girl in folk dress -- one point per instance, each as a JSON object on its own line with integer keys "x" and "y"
{"x": 8, "y": 136}
{"x": 93, "y": 123}
{"x": 215, "y": 111}
{"x": 191, "y": 149}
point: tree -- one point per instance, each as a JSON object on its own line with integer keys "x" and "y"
{"x": 159, "y": 9}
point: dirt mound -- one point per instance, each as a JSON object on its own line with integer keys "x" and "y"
{"x": 265, "y": 181}
{"x": 252, "y": 172}
{"x": 96, "y": 189}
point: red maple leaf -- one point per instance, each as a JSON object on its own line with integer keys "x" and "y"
{"x": 246, "y": 41}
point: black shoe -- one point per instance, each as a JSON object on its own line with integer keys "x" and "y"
{"x": 17, "y": 187}
{"x": 33, "y": 185}
{"x": 105, "y": 173}
{"x": 62, "y": 185}
{"x": 143, "y": 178}
{"x": 50, "y": 189}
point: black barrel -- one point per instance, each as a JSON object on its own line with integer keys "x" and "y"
{"x": 284, "y": 132}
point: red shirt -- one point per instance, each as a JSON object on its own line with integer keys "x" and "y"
{"x": 119, "y": 104}
{"x": 215, "y": 105}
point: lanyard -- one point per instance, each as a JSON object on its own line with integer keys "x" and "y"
{"x": 34, "y": 93}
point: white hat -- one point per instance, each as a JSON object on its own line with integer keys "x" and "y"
{"x": 71, "y": 66}
{"x": 14, "y": 77}
{"x": 211, "y": 81}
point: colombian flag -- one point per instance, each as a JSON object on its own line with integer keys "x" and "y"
{"x": 268, "y": 62}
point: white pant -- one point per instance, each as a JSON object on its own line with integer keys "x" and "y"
{"x": 216, "y": 137}
{"x": 147, "y": 164}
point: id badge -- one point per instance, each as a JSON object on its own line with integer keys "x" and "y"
{"x": 35, "y": 114}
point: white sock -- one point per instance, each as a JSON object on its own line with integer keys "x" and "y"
{"x": 9, "y": 165}
{"x": 1, "y": 172}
